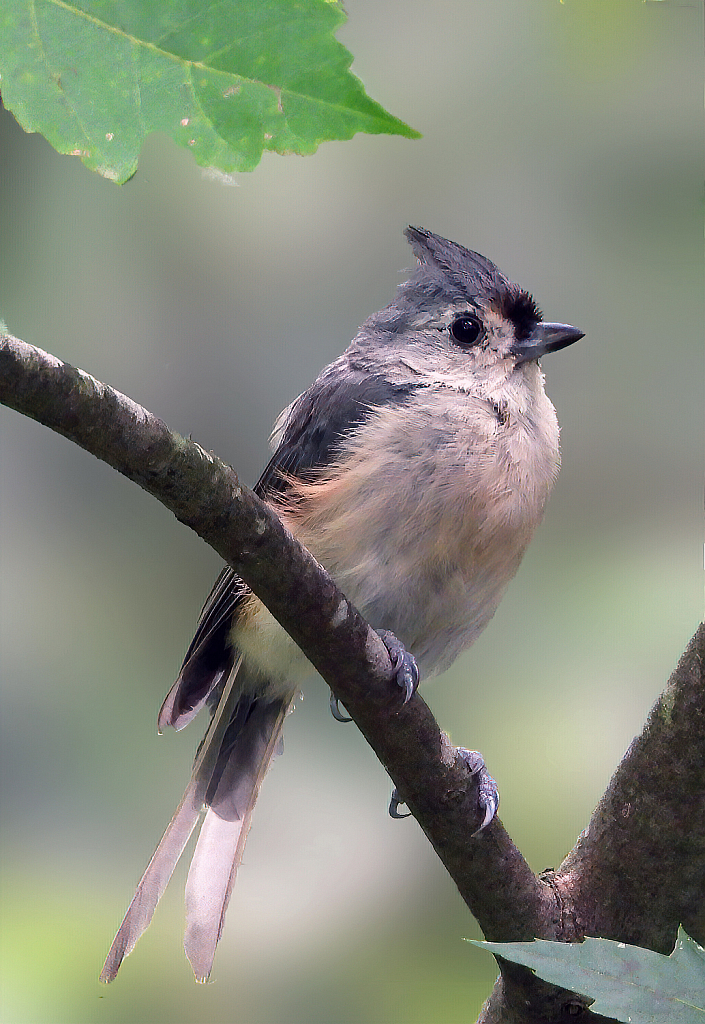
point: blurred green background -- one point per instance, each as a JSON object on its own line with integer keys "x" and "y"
{"x": 564, "y": 141}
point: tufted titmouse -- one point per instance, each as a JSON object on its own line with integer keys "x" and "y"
{"x": 415, "y": 468}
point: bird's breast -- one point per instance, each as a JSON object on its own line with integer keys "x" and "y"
{"x": 426, "y": 514}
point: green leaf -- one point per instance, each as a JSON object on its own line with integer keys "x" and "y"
{"x": 226, "y": 80}
{"x": 627, "y": 982}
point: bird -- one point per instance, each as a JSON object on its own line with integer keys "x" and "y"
{"x": 415, "y": 469}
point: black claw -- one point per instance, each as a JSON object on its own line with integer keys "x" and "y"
{"x": 487, "y": 791}
{"x": 335, "y": 710}
{"x": 406, "y": 670}
{"x": 394, "y": 805}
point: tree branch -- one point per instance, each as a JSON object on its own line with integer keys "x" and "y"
{"x": 205, "y": 494}
{"x": 635, "y": 872}
{"x": 638, "y": 870}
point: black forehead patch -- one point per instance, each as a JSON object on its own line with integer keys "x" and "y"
{"x": 519, "y": 307}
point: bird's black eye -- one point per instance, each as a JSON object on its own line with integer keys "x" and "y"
{"x": 466, "y": 329}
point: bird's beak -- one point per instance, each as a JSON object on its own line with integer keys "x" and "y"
{"x": 545, "y": 338}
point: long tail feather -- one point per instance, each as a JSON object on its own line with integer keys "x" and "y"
{"x": 166, "y": 856}
{"x": 153, "y": 882}
{"x": 221, "y": 842}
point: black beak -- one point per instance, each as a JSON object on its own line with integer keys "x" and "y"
{"x": 545, "y": 338}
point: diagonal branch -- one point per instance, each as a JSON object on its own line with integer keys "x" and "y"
{"x": 204, "y": 493}
{"x": 638, "y": 869}
{"x": 635, "y": 872}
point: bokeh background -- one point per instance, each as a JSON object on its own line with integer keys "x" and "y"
{"x": 563, "y": 140}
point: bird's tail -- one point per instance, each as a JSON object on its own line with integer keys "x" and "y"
{"x": 251, "y": 741}
{"x": 243, "y": 737}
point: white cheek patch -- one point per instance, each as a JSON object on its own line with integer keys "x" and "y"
{"x": 500, "y": 332}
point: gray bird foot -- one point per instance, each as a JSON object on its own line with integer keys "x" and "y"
{"x": 406, "y": 671}
{"x": 394, "y": 805}
{"x": 406, "y": 674}
{"x": 487, "y": 791}
{"x": 335, "y": 709}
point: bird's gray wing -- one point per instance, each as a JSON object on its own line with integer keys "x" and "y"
{"x": 314, "y": 427}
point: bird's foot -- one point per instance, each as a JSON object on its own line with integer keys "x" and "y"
{"x": 335, "y": 709}
{"x": 487, "y": 791}
{"x": 406, "y": 671}
{"x": 406, "y": 674}
{"x": 394, "y": 805}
